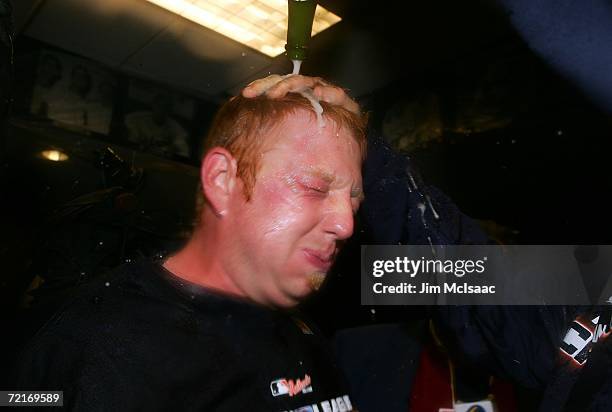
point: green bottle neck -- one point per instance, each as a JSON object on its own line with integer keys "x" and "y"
{"x": 299, "y": 29}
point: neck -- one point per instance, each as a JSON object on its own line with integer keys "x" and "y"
{"x": 200, "y": 262}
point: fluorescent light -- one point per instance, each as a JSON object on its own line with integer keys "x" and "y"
{"x": 259, "y": 24}
{"x": 54, "y": 155}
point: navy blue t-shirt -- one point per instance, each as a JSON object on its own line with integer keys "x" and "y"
{"x": 143, "y": 339}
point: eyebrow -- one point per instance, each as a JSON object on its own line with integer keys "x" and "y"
{"x": 320, "y": 173}
{"x": 356, "y": 192}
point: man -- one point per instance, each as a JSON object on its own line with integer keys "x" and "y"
{"x": 203, "y": 330}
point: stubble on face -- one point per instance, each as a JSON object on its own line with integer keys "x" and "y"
{"x": 315, "y": 280}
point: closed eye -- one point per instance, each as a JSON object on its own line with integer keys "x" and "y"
{"x": 317, "y": 190}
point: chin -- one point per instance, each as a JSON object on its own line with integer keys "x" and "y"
{"x": 316, "y": 280}
{"x": 295, "y": 295}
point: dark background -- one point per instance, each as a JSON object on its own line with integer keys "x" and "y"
{"x": 515, "y": 145}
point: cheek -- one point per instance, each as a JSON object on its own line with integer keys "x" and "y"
{"x": 279, "y": 211}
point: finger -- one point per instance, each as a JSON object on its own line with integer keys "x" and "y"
{"x": 250, "y": 91}
{"x": 330, "y": 94}
{"x": 260, "y": 86}
{"x": 336, "y": 96}
{"x": 294, "y": 83}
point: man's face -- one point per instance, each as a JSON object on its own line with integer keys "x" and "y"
{"x": 307, "y": 191}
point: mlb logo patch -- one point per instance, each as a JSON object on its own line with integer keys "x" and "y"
{"x": 280, "y": 387}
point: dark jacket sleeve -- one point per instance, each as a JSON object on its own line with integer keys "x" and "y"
{"x": 400, "y": 208}
{"x": 520, "y": 343}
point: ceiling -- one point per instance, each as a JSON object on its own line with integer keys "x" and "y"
{"x": 369, "y": 49}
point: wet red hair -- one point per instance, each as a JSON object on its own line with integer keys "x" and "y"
{"x": 241, "y": 126}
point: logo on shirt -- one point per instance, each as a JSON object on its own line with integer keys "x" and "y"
{"x": 290, "y": 387}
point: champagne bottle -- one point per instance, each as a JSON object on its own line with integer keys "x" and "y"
{"x": 301, "y": 16}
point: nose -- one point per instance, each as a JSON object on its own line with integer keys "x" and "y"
{"x": 339, "y": 220}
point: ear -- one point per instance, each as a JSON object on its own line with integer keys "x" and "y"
{"x": 219, "y": 178}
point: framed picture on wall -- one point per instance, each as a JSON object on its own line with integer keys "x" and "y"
{"x": 73, "y": 92}
{"x": 159, "y": 121}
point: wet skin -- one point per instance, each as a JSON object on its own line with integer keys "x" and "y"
{"x": 302, "y": 207}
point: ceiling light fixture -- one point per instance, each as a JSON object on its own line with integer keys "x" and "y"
{"x": 54, "y": 155}
{"x": 259, "y": 24}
